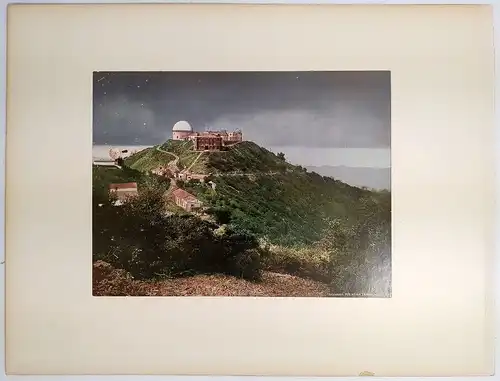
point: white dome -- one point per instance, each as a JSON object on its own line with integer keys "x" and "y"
{"x": 182, "y": 125}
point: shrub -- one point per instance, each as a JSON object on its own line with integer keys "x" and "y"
{"x": 222, "y": 215}
{"x": 360, "y": 259}
{"x": 302, "y": 262}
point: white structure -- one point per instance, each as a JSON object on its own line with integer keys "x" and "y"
{"x": 181, "y": 130}
{"x": 105, "y": 163}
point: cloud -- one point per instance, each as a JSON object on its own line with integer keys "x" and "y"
{"x": 341, "y": 125}
{"x": 122, "y": 121}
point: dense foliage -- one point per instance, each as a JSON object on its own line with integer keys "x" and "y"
{"x": 246, "y": 157}
{"x": 139, "y": 238}
{"x": 285, "y": 208}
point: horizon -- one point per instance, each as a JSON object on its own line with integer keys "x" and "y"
{"x": 334, "y": 157}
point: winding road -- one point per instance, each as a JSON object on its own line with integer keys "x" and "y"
{"x": 246, "y": 174}
{"x": 172, "y": 163}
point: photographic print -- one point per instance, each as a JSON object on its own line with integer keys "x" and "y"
{"x": 271, "y": 184}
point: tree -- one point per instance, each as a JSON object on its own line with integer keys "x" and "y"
{"x": 281, "y": 156}
{"x": 221, "y": 214}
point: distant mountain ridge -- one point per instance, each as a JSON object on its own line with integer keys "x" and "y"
{"x": 374, "y": 178}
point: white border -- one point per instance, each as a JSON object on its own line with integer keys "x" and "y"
{"x": 2, "y": 158}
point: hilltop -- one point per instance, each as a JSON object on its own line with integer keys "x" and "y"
{"x": 242, "y": 157}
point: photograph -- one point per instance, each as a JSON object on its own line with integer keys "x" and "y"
{"x": 241, "y": 183}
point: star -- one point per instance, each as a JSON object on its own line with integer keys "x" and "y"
{"x": 144, "y": 123}
{"x": 105, "y": 93}
{"x": 138, "y": 86}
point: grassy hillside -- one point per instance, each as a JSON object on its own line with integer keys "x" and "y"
{"x": 243, "y": 157}
{"x": 246, "y": 157}
{"x": 285, "y": 208}
{"x": 148, "y": 159}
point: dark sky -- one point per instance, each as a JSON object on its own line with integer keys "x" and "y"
{"x": 306, "y": 109}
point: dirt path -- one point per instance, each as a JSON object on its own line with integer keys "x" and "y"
{"x": 194, "y": 162}
{"x": 245, "y": 174}
{"x": 172, "y": 163}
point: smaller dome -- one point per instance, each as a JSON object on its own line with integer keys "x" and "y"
{"x": 182, "y": 125}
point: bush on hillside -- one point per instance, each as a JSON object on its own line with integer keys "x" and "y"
{"x": 309, "y": 263}
{"x": 360, "y": 254}
{"x": 222, "y": 215}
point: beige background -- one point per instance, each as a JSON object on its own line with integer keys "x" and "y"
{"x": 438, "y": 321}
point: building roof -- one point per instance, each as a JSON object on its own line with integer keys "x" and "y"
{"x": 123, "y": 186}
{"x": 181, "y": 193}
{"x": 182, "y": 125}
{"x": 207, "y": 135}
{"x": 104, "y": 163}
{"x": 126, "y": 194}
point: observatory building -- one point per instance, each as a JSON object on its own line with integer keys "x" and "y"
{"x": 206, "y": 140}
{"x": 182, "y": 130}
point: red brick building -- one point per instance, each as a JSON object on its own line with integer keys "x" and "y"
{"x": 123, "y": 191}
{"x": 234, "y": 137}
{"x": 185, "y": 200}
{"x": 207, "y": 142}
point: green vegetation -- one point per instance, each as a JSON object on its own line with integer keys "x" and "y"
{"x": 138, "y": 237}
{"x": 246, "y": 157}
{"x": 243, "y": 157}
{"x": 268, "y": 215}
{"x": 178, "y": 147}
{"x": 310, "y": 226}
{"x": 184, "y": 150}
{"x": 148, "y": 159}
{"x": 103, "y": 176}
{"x": 284, "y": 208}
